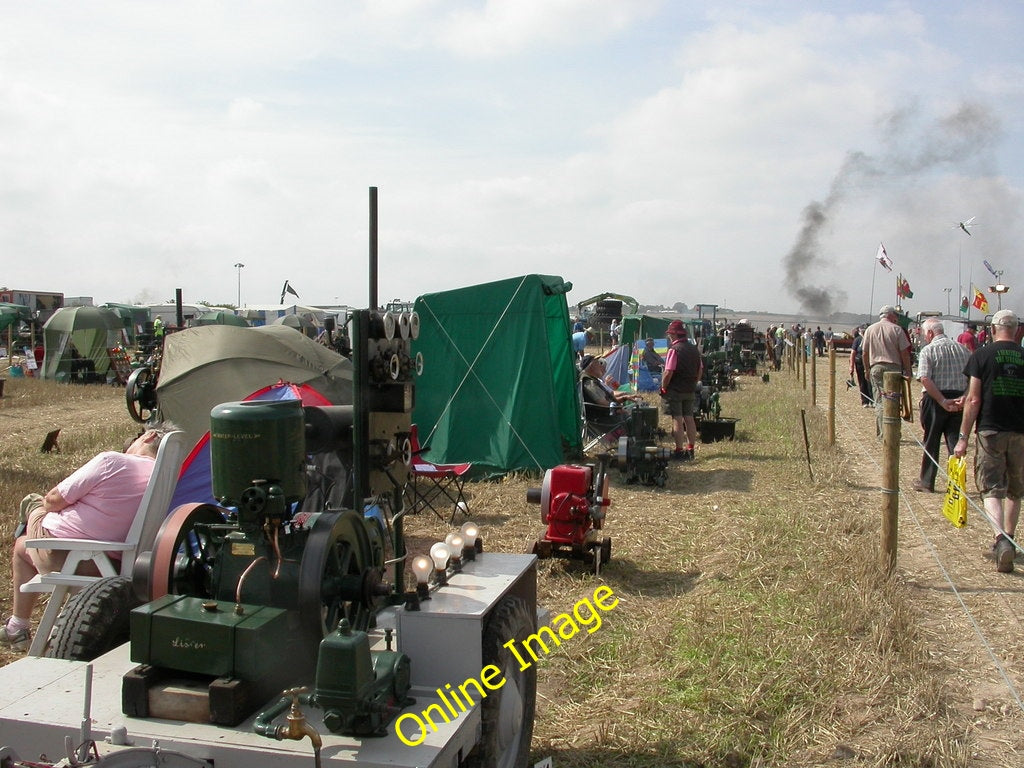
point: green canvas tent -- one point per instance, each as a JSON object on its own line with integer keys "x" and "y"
{"x": 498, "y": 386}
{"x": 220, "y": 317}
{"x": 12, "y": 315}
{"x": 642, "y": 327}
{"x": 85, "y": 332}
{"x": 637, "y": 327}
{"x": 133, "y": 317}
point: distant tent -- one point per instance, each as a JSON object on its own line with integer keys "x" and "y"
{"x": 11, "y": 315}
{"x": 499, "y": 378}
{"x": 266, "y": 314}
{"x": 642, "y": 327}
{"x": 220, "y": 318}
{"x": 133, "y": 317}
{"x": 301, "y": 323}
{"x": 86, "y": 331}
{"x": 203, "y": 367}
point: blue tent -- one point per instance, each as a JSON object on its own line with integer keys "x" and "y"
{"x": 616, "y": 364}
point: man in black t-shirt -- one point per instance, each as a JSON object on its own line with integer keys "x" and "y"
{"x": 995, "y": 405}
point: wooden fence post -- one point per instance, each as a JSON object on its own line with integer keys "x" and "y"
{"x": 803, "y": 363}
{"x": 831, "y": 395}
{"x": 814, "y": 379}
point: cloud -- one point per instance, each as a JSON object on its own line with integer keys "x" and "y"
{"x": 504, "y": 27}
{"x": 655, "y": 149}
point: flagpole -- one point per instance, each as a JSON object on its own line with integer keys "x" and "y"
{"x": 960, "y": 273}
{"x": 970, "y": 283}
{"x": 874, "y": 271}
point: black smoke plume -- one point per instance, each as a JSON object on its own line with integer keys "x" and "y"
{"x": 954, "y": 140}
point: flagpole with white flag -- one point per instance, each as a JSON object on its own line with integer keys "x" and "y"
{"x": 881, "y": 257}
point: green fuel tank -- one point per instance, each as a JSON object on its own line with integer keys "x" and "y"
{"x": 257, "y": 443}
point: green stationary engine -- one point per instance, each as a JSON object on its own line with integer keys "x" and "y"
{"x": 245, "y": 592}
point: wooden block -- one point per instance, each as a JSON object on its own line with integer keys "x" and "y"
{"x": 135, "y": 690}
{"x": 229, "y": 701}
{"x": 185, "y": 700}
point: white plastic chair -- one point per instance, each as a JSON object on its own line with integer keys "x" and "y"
{"x": 151, "y": 513}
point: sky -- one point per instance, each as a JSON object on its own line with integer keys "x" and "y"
{"x": 751, "y": 155}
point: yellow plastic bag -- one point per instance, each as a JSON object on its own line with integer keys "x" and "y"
{"x": 955, "y": 505}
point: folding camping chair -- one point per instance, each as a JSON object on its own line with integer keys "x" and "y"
{"x": 604, "y": 430}
{"x": 602, "y": 425}
{"x": 151, "y": 513}
{"x": 432, "y": 485}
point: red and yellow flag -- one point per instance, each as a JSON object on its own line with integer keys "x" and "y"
{"x": 980, "y": 302}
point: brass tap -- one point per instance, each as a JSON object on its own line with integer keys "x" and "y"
{"x": 298, "y": 728}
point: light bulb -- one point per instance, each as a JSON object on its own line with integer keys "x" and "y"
{"x": 455, "y": 543}
{"x": 421, "y": 567}
{"x": 469, "y": 533}
{"x": 440, "y": 553}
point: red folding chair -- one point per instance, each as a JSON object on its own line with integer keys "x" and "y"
{"x": 433, "y": 485}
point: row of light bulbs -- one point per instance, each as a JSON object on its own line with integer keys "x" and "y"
{"x": 458, "y": 546}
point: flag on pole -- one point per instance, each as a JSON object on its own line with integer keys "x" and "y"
{"x": 288, "y": 289}
{"x": 964, "y": 305}
{"x": 903, "y": 288}
{"x": 980, "y": 302}
{"x": 883, "y": 258}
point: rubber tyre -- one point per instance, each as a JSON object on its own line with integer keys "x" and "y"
{"x": 93, "y": 621}
{"x": 516, "y": 700}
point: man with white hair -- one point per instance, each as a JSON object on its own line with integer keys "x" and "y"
{"x": 940, "y": 368}
{"x": 995, "y": 407}
{"x": 886, "y": 348}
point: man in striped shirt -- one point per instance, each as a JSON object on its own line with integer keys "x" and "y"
{"x": 940, "y": 368}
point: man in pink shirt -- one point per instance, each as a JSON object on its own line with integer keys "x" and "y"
{"x": 97, "y": 501}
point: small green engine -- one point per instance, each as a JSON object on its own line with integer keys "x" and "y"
{"x": 359, "y": 691}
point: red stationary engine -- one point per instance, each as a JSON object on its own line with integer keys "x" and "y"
{"x": 573, "y": 499}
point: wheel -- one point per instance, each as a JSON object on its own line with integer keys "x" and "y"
{"x": 339, "y": 576}
{"x": 507, "y": 714}
{"x": 182, "y": 559}
{"x": 93, "y": 621}
{"x": 140, "y": 394}
{"x": 606, "y": 550}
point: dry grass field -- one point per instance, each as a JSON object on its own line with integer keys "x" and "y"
{"x": 755, "y": 626}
